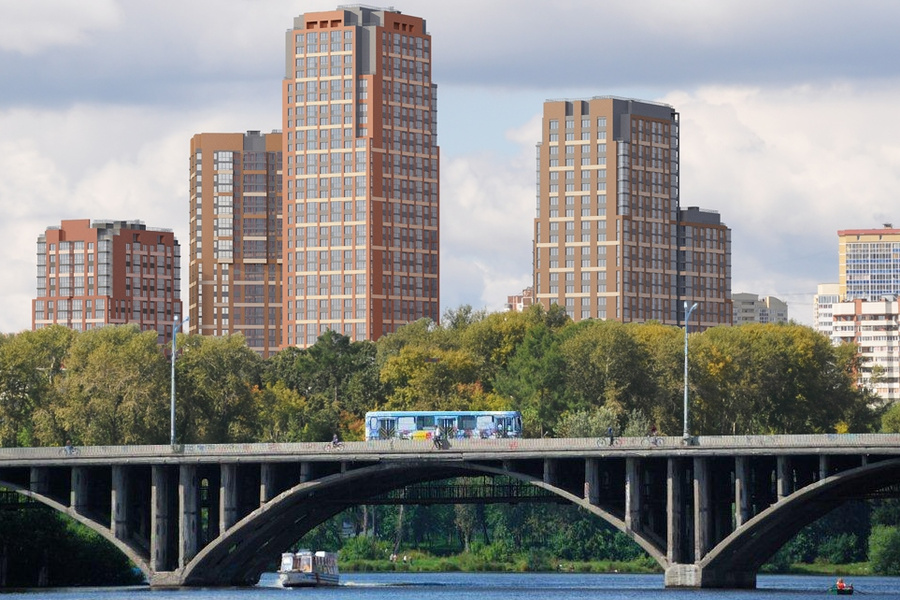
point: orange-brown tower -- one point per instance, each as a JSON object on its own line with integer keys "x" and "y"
{"x": 361, "y": 175}
{"x": 235, "y": 246}
{"x": 91, "y": 274}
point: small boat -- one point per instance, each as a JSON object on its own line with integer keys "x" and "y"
{"x": 307, "y": 569}
{"x": 844, "y": 591}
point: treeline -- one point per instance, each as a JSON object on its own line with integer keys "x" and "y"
{"x": 110, "y": 386}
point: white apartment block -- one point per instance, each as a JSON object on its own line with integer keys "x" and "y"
{"x": 873, "y": 327}
{"x": 827, "y": 295}
{"x": 750, "y": 308}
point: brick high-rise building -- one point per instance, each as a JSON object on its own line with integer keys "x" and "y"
{"x": 611, "y": 240}
{"x": 361, "y": 175}
{"x": 107, "y": 273}
{"x": 235, "y": 246}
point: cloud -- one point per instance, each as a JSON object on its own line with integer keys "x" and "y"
{"x": 47, "y": 25}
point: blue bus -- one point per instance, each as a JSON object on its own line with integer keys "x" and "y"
{"x": 455, "y": 424}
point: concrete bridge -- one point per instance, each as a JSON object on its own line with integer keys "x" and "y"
{"x": 710, "y": 512}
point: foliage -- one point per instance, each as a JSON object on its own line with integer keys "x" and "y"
{"x": 884, "y": 550}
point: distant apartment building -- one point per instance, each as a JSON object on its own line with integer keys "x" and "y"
{"x": 91, "y": 274}
{"x": 873, "y": 326}
{"x": 235, "y": 237}
{"x": 862, "y": 308}
{"x": 827, "y": 295}
{"x": 750, "y": 308}
{"x": 869, "y": 263}
{"x": 611, "y": 239}
{"x": 362, "y": 165}
{"x": 520, "y": 302}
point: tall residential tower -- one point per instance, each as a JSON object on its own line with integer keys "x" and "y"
{"x": 361, "y": 175}
{"x": 611, "y": 240}
{"x": 235, "y": 246}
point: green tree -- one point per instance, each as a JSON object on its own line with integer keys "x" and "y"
{"x": 30, "y": 362}
{"x": 114, "y": 389}
{"x": 884, "y": 550}
{"x": 218, "y": 382}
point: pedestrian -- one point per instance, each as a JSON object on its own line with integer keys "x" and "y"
{"x": 611, "y": 434}
{"x": 436, "y": 438}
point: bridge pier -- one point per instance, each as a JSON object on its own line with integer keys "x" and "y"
{"x": 160, "y": 519}
{"x": 119, "y": 502}
{"x": 695, "y": 576}
{"x": 188, "y": 501}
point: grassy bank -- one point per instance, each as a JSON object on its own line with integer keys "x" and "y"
{"x": 851, "y": 569}
{"x": 471, "y": 564}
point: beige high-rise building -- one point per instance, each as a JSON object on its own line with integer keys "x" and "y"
{"x": 361, "y": 175}
{"x": 611, "y": 240}
{"x": 235, "y": 245}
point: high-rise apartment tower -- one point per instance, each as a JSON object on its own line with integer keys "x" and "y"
{"x": 611, "y": 240}
{"x": 235, "y": 246}
{"x": 869, "y": 263}
{"x": 361, "y": 175}
{"x": 91, "y": 274}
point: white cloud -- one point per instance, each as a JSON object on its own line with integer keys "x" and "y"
{"x": 43, "y": 25}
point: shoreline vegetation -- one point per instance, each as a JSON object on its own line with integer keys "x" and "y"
{"x": 468, "y": 563}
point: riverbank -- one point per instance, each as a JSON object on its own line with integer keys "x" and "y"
{"x": 469, "y": 564}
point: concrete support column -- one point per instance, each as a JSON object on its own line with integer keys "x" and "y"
{"x": 864, "y": 460}
{"x": 694, "y": 576}
{"x": 266, "y": 482}
{"x": 160, "y": 519}
{"x": 228, "y": 497}
{"x": 39, "y": 480}
{"x": 508, "y": 466}
{"x": 78, "y": 497}
{"x": 632, "y": 494}
{"x": 550, "y": 465}
{"x": 823, "y": 467}
{"x": 674, "y": 511}
{"x": 702, "y": 516}
{"x": 592, "y": 481}
{"x": 741, "y": 490}
{"x": 188, "y": 501}
{"x": 305, "y": 471}
{"x": 118, "y": 517}
{"x": 784, "y": 484}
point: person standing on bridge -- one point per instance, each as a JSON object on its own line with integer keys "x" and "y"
{"x": 436, "y": 437}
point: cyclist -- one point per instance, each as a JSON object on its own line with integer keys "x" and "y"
{"x": 610, "y": 434}
{"x": 336, "y": 441}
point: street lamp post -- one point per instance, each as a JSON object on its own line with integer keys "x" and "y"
{"x": 687, "y": 321}
{"x": 178, "y": 325}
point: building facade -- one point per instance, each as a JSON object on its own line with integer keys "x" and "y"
{"x": 827, "y": 295}
{"x": 91, "y": 274}
{"x": 869, "y": 263}
{"x": 750, "y": 308}
{"x": 873, "y": 326}
{"x": 520, "y": 302}
{"x": 236, "y": 244}
{"x": 611, "y": 240}
{"x": 362, "y": 167}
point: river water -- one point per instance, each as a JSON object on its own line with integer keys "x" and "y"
{"x": 483, "y": 586}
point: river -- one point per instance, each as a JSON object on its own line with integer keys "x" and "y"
{"x": 483, "y": 586}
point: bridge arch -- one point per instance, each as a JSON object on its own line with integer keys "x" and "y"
{"x": 128, "y": 550}
{"x": 751, "y": 545}
{"x": 243, "y": 552}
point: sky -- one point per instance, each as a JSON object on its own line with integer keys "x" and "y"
{"x": 789, "y": 119}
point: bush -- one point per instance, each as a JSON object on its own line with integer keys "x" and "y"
{"x": 364, "y": 548}
{"x": 884, "y": 550}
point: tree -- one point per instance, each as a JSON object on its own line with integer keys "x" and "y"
{"x": 884, "y": 550}
{"x": 114, "y": 390}
{"x": 30, "y": 362}
{"x": 218, "y": 382}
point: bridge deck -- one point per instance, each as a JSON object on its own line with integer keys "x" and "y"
{"x": 462, "y": 449}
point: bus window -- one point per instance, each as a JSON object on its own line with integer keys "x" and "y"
{"x": 467, "y": 422}
{"x": 425, "y": 422}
